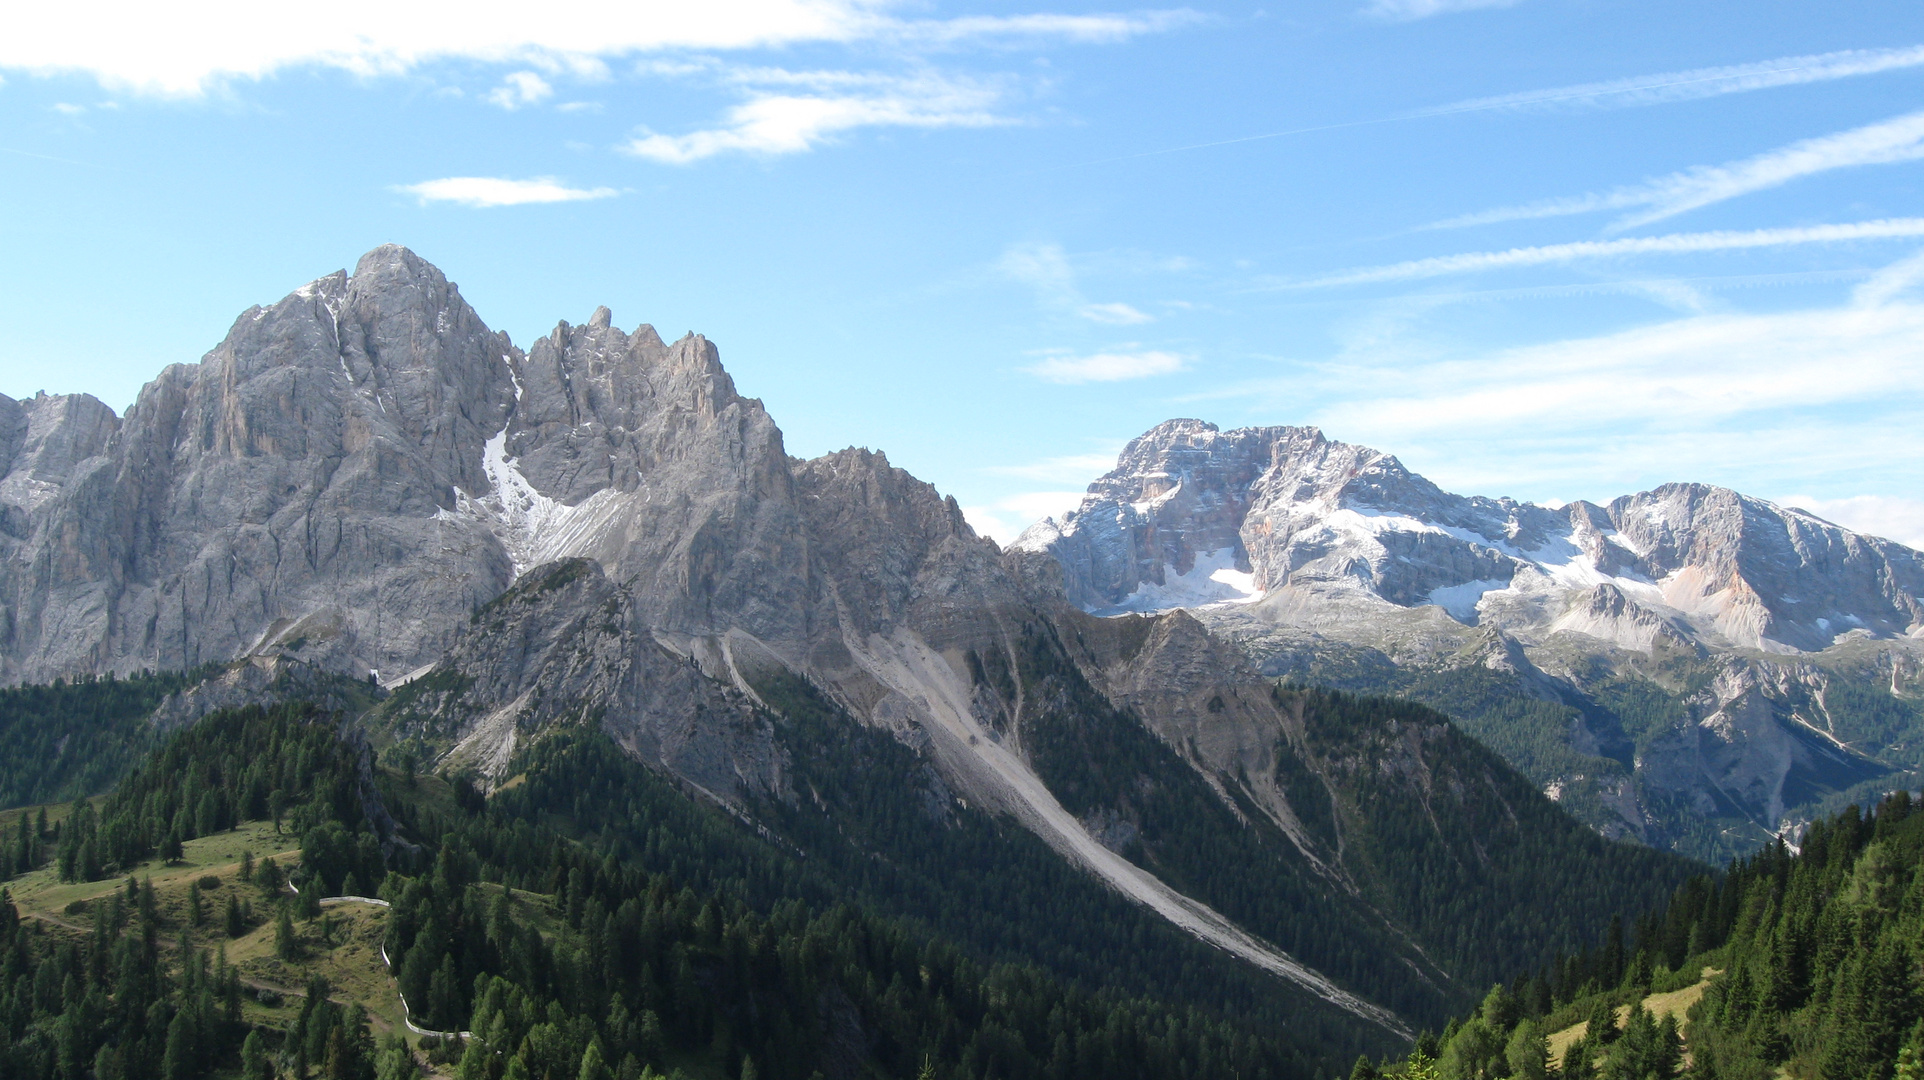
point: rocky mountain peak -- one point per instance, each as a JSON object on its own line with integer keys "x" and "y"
{"x": 1193, "y": 516}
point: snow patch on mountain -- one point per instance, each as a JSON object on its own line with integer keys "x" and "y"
{"x": 534, "y": 528}
{"x": 1214, "y": 579}
{"x": 1461, "y": 600}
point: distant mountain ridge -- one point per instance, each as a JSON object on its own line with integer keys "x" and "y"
{"x": 1302, "y": 514}
{"x": 1682, "y": 659}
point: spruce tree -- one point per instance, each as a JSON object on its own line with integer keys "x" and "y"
{"x": 255, "y": 1064}
{"x": 286, "y": 945}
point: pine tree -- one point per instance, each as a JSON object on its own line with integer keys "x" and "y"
{"x": 235, "y": 926}
{"x": 255, "y": 1063}
{"x": 592, "y": 1067}
{"x": 395, "y": 1062}
{"x": 1527, "y": 1052}
{"x": 1579, "y": 1061}
{"x": 1602, "y": 1030}
{"x": 178, "y": 1061}
{"x": 194, "y": 913}
{"x": 268, "y": 877}
{"x": 286, "y": 945}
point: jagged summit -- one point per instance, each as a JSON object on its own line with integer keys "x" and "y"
{"x": 355, "y": 467}
{"x": 1281, "y": 517}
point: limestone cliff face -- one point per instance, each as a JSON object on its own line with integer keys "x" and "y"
{"x": 296, "y": 479}
{"x": 563, "y": 647}
{"x": 357, "y": 469}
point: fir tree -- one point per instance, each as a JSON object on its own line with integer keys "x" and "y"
{"x": 286, "y": 945}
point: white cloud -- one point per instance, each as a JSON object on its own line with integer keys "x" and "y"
{"x": 1087, "y": 29}
{"x": 1827, "y": 400}
{"x": 486, "y": 191}
{"x": 1889, "y": 141}
{"x": 1046, "y": 270}
{"x": 1700, "y": 82}
{"x": 1004, "y": 519}
{"x": 1671, "y": 244}
{"x": 520, "y": 88}
{"x": 184, "y": 49}
{"x": 1070, "y": 468}
{"x": 1701, "y": 369}
{"x": 1108, "y": 366}
{"x": 1114, "y": 314}
{"x": 778, "y": 121}
{"x": 67, "y": 108}
{"x": 1423, "y": 9}
{"x": 1891, "y": 282}
{"x": 1888, "y": 516}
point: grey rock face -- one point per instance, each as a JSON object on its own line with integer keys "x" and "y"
{"x": 563, "y": 647}
{"x": 357, "y": 468}
{"x": 304, "y": 471}
{"x": 1301, "y": 514}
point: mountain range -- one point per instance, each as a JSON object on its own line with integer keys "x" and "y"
{"x": 1690, "y": 666}
{"x": 599, "y": 535}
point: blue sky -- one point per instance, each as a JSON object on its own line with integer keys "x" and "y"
{"x": 1551, "y": 249}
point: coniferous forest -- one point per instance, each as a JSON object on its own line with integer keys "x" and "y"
{"x": 589, "y": 920}
{"x": 1798, "y": 963}
{"x": 557, "y": 955}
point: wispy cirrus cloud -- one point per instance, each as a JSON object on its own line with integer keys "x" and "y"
{"x": 1886, "y": 142}
{"x": 1889, "y": 516}
{"x": 1696, "y": 83}
{"x": 1771, "y": 402}
{"x": 185, "y": 49}
{"x": 1046, "y": 270}
{"x": 1119, "y": 365}
{"x": 788, "y": 112}
{"x": 1068, "y": 468}
{"x": 1403, "y": 10}
{"x": 1115, "y": 314}
{"x": 1094, "y": 29}
{"x": 482, "y": 192}
{"x": 1670, "y": 244}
